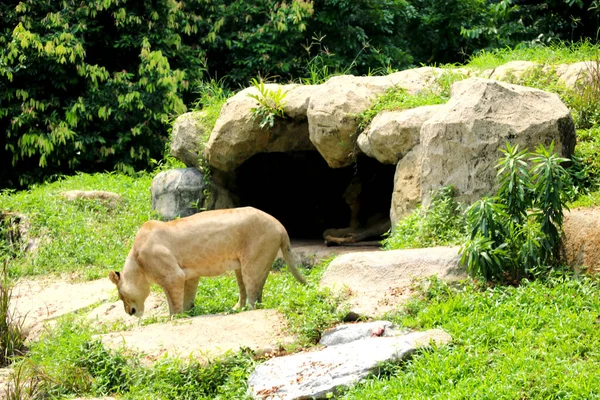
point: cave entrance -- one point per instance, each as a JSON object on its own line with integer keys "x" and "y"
{"x": 308, "y": 197}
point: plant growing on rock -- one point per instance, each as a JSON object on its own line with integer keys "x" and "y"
{"x": 270, "y": 103}
{"x": 516, "y": 233}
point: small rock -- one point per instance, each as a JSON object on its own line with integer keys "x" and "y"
{"x": 347, "y": 333}
{"x": 109, "y": 198}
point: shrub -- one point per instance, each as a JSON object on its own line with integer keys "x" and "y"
{"x": 515, "y": 234}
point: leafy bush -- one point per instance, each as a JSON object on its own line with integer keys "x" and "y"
{"x": 515, "y": 234}
{"x": 440, "y": 224}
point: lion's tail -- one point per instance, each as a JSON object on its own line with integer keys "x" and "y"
{"x": 291, "y": 260}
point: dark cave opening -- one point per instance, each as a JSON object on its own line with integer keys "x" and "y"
{"x": 308, "y": 197}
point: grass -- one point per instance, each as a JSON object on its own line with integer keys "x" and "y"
{"x": 557, "y": 53}
{"x": 539, "y": 340}
{"x": 83, "y": 238}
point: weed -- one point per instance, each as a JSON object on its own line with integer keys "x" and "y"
{"x": 397, "y": 98}
{"x": 25, "y": 381}
{"x": 12, "y": 341}
{"x": 270, "y": 103}
{"x": 439, "y": 224}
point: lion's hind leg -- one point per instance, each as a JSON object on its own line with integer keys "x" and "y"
{"x": 242, "y": 288}
{"x": 255, "y": 271}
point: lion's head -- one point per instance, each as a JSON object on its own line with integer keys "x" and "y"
{"x": 132, "y": 297}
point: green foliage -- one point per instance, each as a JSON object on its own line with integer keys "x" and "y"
{"x": 440, "y": 224}
{"x": 270, "y": 103}
{"x": 539, "y": 340}
{"x": 91, "y": 87}
{"x": 516, "y": 233}
{"x": 89, "y": 236}
{"x": 510, "y": 23}
{"x": 553, "y": 53}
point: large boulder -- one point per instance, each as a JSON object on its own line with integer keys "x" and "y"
{"x": 406, "y": 195}
{"x": 392, "y": 134}
{"x": 333, "y": 115}
{"x": 237, "y": 135}
{"x": 581, "y": 238}
{"x": 460, "y": 143}
{"x": 318, "y": 374}
{"x": 177, "y": 193}
{"x": 379, "y": 281}
{"x": 189, "y": 131}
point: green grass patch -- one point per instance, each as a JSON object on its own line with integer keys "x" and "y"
{"x": 557, "y": 53}
{"x": 212, "y": 94}
{"x": 85, "y": 238}
{"x": 69, "y": 362}
{"x": 397, "y": 98}
{"x": 536, "y": 341}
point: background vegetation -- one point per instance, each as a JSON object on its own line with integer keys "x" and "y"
{"x": 91, "y": 86}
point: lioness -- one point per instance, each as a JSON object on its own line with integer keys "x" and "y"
{"x": 177, "y": 253}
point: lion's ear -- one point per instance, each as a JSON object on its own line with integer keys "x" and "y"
{"x": 114, "y": 277}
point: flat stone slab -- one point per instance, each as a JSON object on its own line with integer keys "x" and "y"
{"x": 37, "y": 301}
{"x": 315, "y": 374}
{"x": 205, "y": 337}
{"x": 378, "y": 282}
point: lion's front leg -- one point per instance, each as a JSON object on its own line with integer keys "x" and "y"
{"x": 174, "y": 290}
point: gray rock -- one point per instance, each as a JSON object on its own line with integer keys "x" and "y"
{"x": 379, "y": 281}
{"x": 315, "y": 374}
{"x": 332, "y": 114}
{"x": 175, "y": 192}
{"x": 189, "y": 130}
{"x": 204, "y": 338}
{"x": 347, "y": 333}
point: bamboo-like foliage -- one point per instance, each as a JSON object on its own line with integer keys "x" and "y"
{"x": 516, "y": 233}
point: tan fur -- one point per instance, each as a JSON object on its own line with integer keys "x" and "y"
{"x": 177, "y": 253}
